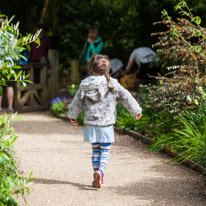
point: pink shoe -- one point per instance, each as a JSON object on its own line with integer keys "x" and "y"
{"x": 102, "y": 182}
{"x": 97, "y": 180}
{"x": 102, "y": 176}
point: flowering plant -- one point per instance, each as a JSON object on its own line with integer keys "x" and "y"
{"x": 60, "y": 106}
{"x": 60, "y": 99}
{"x": 72, "y": 89}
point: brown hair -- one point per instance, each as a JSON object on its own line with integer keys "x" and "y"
{"x": 97, "y": 65}
{"x": 94, "y": 29}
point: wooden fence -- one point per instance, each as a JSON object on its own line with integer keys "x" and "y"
{"x": 45, "y": 78}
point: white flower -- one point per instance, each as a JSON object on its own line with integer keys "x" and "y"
{"x": 188, "y": 97}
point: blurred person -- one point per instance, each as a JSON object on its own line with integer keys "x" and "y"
{"x": 142, "y": 56}
{"x": 36, "y": 53}
{"x": 93, "y": 45}
{"x": 9, "y": 84}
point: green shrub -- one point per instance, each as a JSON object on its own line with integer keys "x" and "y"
{"x": 183, "y": 48}
{"x": 80, "y": 118}
{"x": 126, "y": 121}
{"x": 12, "y": 181}
{"x": 180, "y": 95}
{"x": 58, "y": 108}
{"x": 12, "y": 44}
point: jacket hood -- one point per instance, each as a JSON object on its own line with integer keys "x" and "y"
{"x": 94, "y": 88}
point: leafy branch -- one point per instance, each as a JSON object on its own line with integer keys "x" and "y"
{"x": 183, "y": 48}
{"x": 12, "y": 43}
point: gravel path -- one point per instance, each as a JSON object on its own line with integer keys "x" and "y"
{"x": 60, "y": 160}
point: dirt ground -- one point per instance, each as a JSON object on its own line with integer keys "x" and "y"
{"x": 61, "y": 162}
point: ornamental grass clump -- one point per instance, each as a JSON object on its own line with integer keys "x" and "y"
{"x": 188, "y": 140}
{"x": 183, "y": 47}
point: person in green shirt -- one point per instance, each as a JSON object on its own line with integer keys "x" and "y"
{"x": 93, "y": 45}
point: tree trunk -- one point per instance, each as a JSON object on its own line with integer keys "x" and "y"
{"x": 43, "y": 13}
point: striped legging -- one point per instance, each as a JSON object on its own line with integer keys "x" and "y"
{"x": 100, "y": 155}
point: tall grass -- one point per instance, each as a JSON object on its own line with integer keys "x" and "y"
{"x": 188, "y": 140}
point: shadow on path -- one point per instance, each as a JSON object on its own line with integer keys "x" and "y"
{"x": 59, "y": 182}
{"x": 166, "y": 189}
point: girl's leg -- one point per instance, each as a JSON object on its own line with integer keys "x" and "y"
{"x": 104, "y": 156}
{"x": 95, "y": 156}
{"x": 10, "y": 98}
{"x": 0, "y": 102}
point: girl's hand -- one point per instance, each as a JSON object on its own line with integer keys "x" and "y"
{"x": 138, "y": 116}
{"x": 74, "y": 122}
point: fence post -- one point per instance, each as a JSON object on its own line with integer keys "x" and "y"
{"x": 74, "y": 74}
{"x": 53, "y": 74}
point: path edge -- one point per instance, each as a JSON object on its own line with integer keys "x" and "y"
{"x": 189, "y": 163}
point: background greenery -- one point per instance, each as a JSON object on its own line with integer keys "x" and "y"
{"x": 124, "y": 24}
{"x": 174, "y": 108}
{"x": 12, "y": 181}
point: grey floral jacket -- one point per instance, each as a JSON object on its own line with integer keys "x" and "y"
{"x": 100, "y": 101}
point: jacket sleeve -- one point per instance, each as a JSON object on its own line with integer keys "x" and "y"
{"x": 127, "y": 100}
{"x": 76, "y": 106}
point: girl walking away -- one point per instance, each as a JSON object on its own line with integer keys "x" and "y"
{"x": 100, "y": 93}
